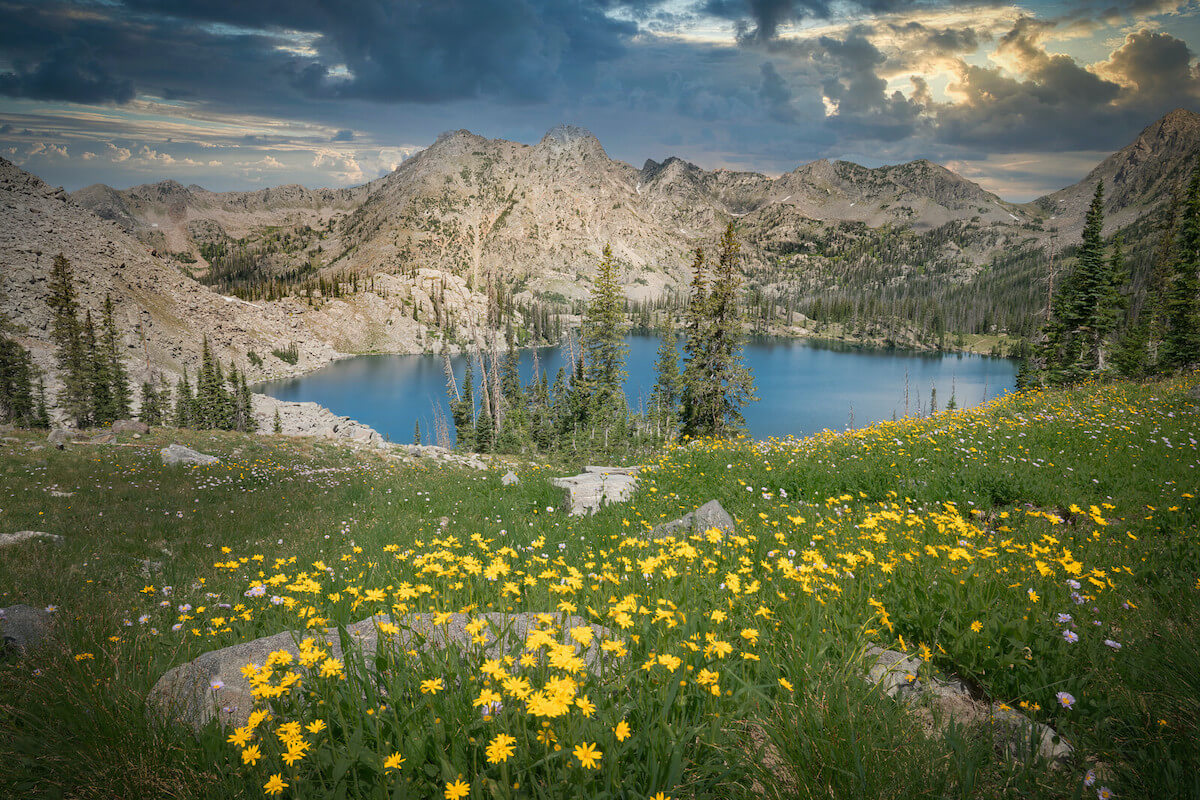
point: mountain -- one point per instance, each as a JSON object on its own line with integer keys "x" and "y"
{"x": 163, "y": 315}
{"x": 537, "y": 216}
{"x": 899, "y": 253}
{"x": 1137, "y": 178}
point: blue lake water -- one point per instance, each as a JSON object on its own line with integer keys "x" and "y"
{"x": 803, "y": 387}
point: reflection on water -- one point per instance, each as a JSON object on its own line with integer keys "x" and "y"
{"x": 803, "y": 387}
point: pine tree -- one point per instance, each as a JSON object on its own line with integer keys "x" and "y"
{"x": 664, "y": 399}
{"x": 98, "y": 377}
{"x": 246, "y": 405}
{"x": 67, "y": 333}
{"x": 462, "y": 410}
{"x": 17, "y": 401}
{"x": 696, "y": 322}
{"x": 277, "y": 423}
{"x": 1181, "y": 312}
{"x": 151, "y": 411}
{"x": 731, "y": 381}
{"x": 184, "y": 415}
{"x": 119, "y": 395}
{"x": 603, "y": 345}
{"x": 417, "y": 432}
{"x": 716, "y": 382}
{"x": 1087, "y": 307}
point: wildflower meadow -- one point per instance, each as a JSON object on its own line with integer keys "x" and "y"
{"x": 1043, "y": 548}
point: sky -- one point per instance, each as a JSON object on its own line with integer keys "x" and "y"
{"x": 1023, "y": 98}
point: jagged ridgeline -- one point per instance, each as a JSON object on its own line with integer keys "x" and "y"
{"x": 908, "y": 254}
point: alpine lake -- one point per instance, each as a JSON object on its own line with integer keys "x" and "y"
{"x": 803, "y": 386}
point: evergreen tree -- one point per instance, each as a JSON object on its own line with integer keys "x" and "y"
{"x": 484, "y": 429}
{"x": 67, "y": 333}
{"x": 1181, "y": 312}
{"x": 119, "y": 395}
{"x": 184, "y": 414}
{"x": 664, "y": 399}
{"x": 462, "y": 411}
{"x": 246, "y": 405}
{"x": 716, "y": 382}
{"x": 18, "y": 404}
{"x": 1137, "y": 353}
{"x": 98, "y": 377}
{"x": 696, "y": 323}
{"x": 277, "y": 423}
{"x": 417, "y": 432}
{"x": 603, "y": 345}
{"x": 151, "y": 411}
{"x": 1087, "y": 307}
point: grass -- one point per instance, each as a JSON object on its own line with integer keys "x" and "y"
{"x": 730, "y": 662}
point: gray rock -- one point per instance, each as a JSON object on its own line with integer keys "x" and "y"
{"x": 597, "y": 486}
{"x": 899, "y": 675}
{"x": 1019, "y": 736}
{"x": 178, "y": 454}
{"x": 102, "y": 438}
{"x": 23, "y": 626}
{"x": 8, "y": 539}
{"x": 130, "y": 426}
{"x": 1194, "y": 392}
{"x": 896, "y": 673}
{"x": 709, "y": 515}
{"x": 510, "y": 478}
{"x": 59, "y": 437}
{"x": 213, "y": 687}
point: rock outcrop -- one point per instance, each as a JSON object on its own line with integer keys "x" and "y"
{"x": 709, "y": 515}
{"x": 178, "y": 454}
{"x": 9, "y": 539}
{"x": 213, "y": 686}
{"x": 597, "y": 486}
{"x": 900, "y": 676}
{"x": 24, "y": 627}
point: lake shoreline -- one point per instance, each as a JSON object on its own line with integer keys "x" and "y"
{"x": 805, "y": 384}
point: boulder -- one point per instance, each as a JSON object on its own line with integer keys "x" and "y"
{"x": 8, "y": 539}
{"x": 213, "y": 687}
{"x": 178, "y": 454}
{"x": 59, "y": 437}
{"x": 597, "y": 486}
{"x": 1194, "y": 392}
{"x": 899, "y": 676}
{"x": 130, "y": 426}
{"x": 510, "y": 478}
{"x": 102, "y": 438}
{"x": 23, "y": 627}
{"x": 709, "y": 515}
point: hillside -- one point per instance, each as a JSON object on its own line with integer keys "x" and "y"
{"x": 1004, "y": 555}
{"x": 537, "y": 216}
{"x": 163, "y": 315}
{"x": 1137, "y": 178}
{"x": 897, "y": 254}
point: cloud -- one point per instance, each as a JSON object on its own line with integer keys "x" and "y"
{"x": 759, "y": 21}
{"x": 69, "y": 72}
{"x": 47, "y": 150}
{"x": 117, "y": 154}
{"x": 1157, "y": 66}
{"x": 343, "y": 135}
{"x": 776, "y": 94}
{"x": 425, "y": 50}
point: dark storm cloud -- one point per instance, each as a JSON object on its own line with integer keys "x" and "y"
{"x": 937, "y": 41}
{"x": 69, "y": 72}
{"x": 775, "y": 94}
{"x": 427, "y": 50}
{"x": 759, "y": 20}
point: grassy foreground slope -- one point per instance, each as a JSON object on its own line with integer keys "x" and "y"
{"x": 1044, "y": 547}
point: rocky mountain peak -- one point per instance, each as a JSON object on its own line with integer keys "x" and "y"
{"x": 564, "y": 138}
